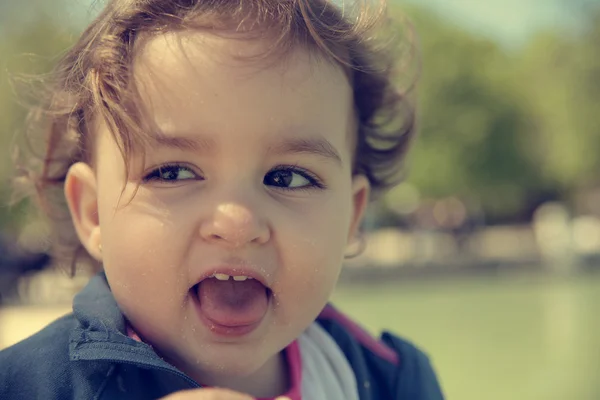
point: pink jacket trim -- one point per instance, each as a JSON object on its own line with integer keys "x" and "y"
{"x": 360, "y": 334}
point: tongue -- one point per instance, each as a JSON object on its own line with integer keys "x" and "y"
{"x": 233, "y": 303}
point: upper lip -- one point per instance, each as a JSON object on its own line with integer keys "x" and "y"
{"x": 232, "y": 270}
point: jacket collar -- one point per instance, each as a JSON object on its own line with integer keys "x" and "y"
{"x": 101, "y": 331}
{"x": 96, "y": 309}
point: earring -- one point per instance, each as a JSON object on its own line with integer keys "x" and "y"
{"x": 362, "y": 245}
{"x": 100, "y": 247}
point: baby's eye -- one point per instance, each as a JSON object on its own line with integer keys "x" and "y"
{"x": 171, "y": 173}
{"x": 291, "y": 178}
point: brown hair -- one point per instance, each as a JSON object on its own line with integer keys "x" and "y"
{"x": 93, "y": 80}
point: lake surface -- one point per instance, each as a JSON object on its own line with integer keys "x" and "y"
{"x": 494, "y": 339}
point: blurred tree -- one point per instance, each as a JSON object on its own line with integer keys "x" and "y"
{"x": 505, "y": 129}
{"x": 561, "y": 82}
{"x": 28, "y": 45}
{"x": 472, "y": 121}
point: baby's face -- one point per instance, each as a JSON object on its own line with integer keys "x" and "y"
{"x": 249, "y": 175}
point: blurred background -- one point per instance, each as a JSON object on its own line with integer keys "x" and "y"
{"x": 487, "y": 256}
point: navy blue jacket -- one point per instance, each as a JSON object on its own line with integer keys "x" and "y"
{"x": 88, "y": 355}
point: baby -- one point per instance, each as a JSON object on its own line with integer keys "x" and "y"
{"x": 217, "y": 157}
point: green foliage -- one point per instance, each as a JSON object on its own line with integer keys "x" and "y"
{"x": 562, "y": 84}
{"x": 27, "y": 48}
{"x": 504, "y": 127}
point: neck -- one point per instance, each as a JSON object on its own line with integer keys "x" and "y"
{"x": 270, "y": 380}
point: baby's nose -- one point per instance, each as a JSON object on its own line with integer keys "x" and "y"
{"x": 235, "y": 225}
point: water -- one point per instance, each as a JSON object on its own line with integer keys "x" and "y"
{"x": 507, "y": 338}
{"x": 489, "y": 339}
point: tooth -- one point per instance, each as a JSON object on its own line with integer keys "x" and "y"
{"x": 240, "y": 278}
{"x": 222, "y": 277}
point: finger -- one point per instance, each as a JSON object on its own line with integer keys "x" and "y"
{"x": 208, "y": 394}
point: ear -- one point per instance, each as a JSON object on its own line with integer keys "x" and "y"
{"x": 82, "y": 198}
{"x": 361, "y": 190}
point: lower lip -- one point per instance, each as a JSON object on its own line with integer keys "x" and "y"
{"x": 223, "y": 330}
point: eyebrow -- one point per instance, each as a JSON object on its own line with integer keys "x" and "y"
{"x": 200, "y": 144}
{"x": 316, "y": 145}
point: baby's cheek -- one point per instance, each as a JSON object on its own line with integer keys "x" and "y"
{"x": 307, "y": 282}
{"x": 142, "y": 263}
{"x": 144, "y": 241}
{"x": 147, "y": 293}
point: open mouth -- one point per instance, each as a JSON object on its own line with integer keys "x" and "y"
{"x": 231, "y": 304}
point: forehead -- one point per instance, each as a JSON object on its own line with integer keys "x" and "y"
{"x": 243, "y": 52}
{"x": 191, "y": 71}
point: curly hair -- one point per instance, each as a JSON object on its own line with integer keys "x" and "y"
{"x": 93, "y": 80}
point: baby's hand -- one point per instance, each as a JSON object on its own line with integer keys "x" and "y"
{"x": 208, "y": 394}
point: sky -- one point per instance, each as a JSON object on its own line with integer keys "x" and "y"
{"x": 510, "y": 22}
